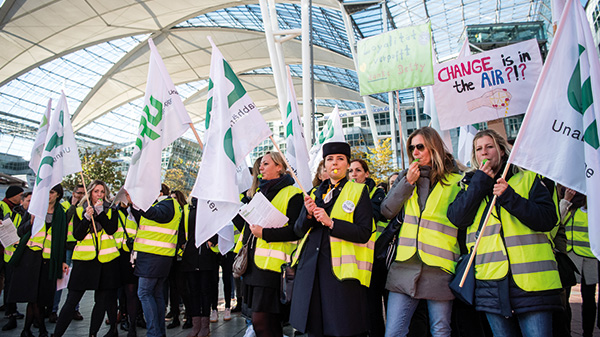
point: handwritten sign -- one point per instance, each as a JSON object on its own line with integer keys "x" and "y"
{"x": 486, "y": 86}
{"x": 395, "y": 60}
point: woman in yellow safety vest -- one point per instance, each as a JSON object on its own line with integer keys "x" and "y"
{"x": 269, "y": 248}
{"x": 517, "y": 281}
{"x": 95, "y": 261}
{"x": 427, "y": 242}
{"x": 335, "y": 257}
{"x": 40, "y": 264}
{"x": 574, "y": 216}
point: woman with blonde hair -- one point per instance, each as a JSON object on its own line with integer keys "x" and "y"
{"x": 95, "y": 263}
{"x": 517, "y": 281}
{"x": 427, "y": 244}
{"x": 269, "y": 248}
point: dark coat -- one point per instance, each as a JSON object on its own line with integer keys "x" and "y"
{"x": 322, "y": 304}
{"x": 94, "y": 275}
{"x": 538, "y": 212}
{"x": 376, "y": 200}
{"x": 193, "y": 259}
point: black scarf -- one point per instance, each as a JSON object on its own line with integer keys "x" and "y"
{"x": 275, "y": 184}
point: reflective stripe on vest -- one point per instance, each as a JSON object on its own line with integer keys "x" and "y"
{"x": 578, "y": 239}
{"x": 86, "y": 249}
{"x": 270, "y": 256}
{"x": 431, "y": 233}
{"x": 36, "y": 242}
{"x": 158, "y": 238}
{"x": 528, "y": 253}
{"x": 351, "y": 260}
{"x": 70, "y": 238}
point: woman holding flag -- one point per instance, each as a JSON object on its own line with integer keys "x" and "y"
{"x": 95, "y": 261}
{"x": 269, "y": 248}
{"x": 427, "y": 243}
{"x": 517, "y": 281}
{"x": 39, "y": 261}
{"x": 335, "y": 256}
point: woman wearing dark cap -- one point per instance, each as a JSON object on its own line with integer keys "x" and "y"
{"x": 335, "y": 257}
{"x": 39, "y": 260}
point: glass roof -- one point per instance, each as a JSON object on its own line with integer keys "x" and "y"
{"x": 23, "y": 99}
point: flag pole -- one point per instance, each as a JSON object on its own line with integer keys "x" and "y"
{"x": 88, "y": 201}
{"x": 197, "y": 137}
{"x": 288, "y": 164}
{"x": 487, "y": 217}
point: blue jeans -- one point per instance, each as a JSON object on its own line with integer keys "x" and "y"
{"x": 58, "y": 293}
{"x": 529, "y": 324}
{"x": 150, "y": 292}
{"x": 401, "y": 308}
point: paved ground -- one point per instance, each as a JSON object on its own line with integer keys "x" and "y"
{"x": 234, "y": 328}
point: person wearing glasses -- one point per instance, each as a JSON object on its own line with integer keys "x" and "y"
{"x": 427, "y": 245}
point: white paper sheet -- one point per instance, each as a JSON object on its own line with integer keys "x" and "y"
{"x": 64, "y": 281}
{"x": 261, "y": 212}
{"x": 8, "y": 232}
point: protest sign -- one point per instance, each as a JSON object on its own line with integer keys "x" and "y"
{"x": 486, "y": 86}
{"x": 395, "y": 60}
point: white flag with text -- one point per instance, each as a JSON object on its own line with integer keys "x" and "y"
{"x": 234, "y": 126}
{"x": 59, "y": 159}
{"x": 163, "y": 120}
{"x": 559, "y": 137}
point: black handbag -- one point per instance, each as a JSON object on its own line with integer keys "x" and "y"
{"x": 240, "y": 263}
{"x": 387, "y": 243}
{"x": 466, "y": 293}
{"x": 288, "y": 274}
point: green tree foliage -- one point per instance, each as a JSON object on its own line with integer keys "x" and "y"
{"x": 99, "y": 163}
{"x": 181, "y": 176}
{"x": 380, "y": 160}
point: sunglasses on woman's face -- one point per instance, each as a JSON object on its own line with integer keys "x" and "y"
{"x": 419, "y": 147}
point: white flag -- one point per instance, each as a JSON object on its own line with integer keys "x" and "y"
{"x": 465, "y": 144}
{"x": 332, "y": 132}
{"x": 226, "y": 238}
{"x": 559, "y": 137}
{"x": 163, "y": 120}
{"x": 234, "y": 128}
{"x": 296, "y": 152}
{"x": 40, "y": 138}
{"x": 59, "y": 159}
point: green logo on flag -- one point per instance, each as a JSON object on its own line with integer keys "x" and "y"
{"x": 581, "y": 98}
{"x": 54, "y": 142}
{"x": 236, "y": 94}
{"x": 289, "y": 130}
{"x": 208, "y": 105}
{"x": 154, "y": 120}
{"x": 327, "y": 128}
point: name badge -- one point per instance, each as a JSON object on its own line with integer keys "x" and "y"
{"x": 348, "y": 206}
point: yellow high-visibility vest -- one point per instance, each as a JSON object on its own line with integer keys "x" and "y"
{"x": 528, "y": 253}
{"x": 578, "y": 239}
{"x": 90, "y": 247}
{"x": 158, "y": 238}
{"x": 430, "y": 233}
{"x": 271, "y": 255}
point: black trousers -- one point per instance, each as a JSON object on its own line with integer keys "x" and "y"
{"x": 199, "y": 283}
{"x": 105, "y": 301}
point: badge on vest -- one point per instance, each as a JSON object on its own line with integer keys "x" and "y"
{"x": 348, "y": 206}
